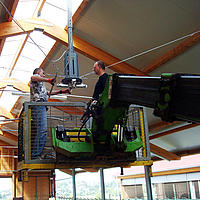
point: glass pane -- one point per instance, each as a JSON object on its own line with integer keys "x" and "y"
{"x": 25, "y": 9}
{"x": 168, "y": 191}
{"x": 24, "y": 69}
{"x": 7, "y": 99}
{"x": 133, "y": 191}
{"x": 5, "y": 65}
{"x": 59, "y": 16}
{"x": 182, "y": 190}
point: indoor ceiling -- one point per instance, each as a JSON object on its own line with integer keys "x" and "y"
{"x": 150, "y": 37}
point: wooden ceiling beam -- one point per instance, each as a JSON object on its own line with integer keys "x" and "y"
{"x": 160, "y": 125}
{"x": 39, "y": 8}
{"x": 5, "y": 113}
{"x": 186, "y": 44}
{"x": 168, "y": 132}
{"x": 91, "y": 169}
{"x": 2, "y": 143}
{"x": 67, "y": 171}
{"x": 2, "y": 41}
{"x": 81, "y": 46}
{"x": 8, "y": 122}
{"x": 163, "y": 153}
{"x": 78, "y": 11}
{"x": 12, "y": 8}
{"x": 68, "y": 109}
{"x": 15, "y": 83}
{"x": 10, "y": 136}
{"x": 188, "y": 152}
{"x": 8, "y": 29}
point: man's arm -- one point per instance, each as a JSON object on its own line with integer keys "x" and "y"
{"x": 59, "y": 92}
{"x": 50, "y": 80}
{"x": 41, "y": 79}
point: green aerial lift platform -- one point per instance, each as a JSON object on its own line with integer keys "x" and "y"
{"x": 109, "y": 141}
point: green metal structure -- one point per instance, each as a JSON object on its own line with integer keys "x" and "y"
{"x": 109, "y": 141}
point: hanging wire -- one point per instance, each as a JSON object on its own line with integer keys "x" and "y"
{"x": 60, "y": 56}
{"x": 18, "y": 24}
{"x": 147, "y": 51}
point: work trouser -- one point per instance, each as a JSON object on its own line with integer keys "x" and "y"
{"x": 39, "y": 121}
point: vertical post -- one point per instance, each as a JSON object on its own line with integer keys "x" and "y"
{"x": 148, "y": 182}
{"x": 122, "y": 171}
{"x": 102, "y": 184}
{"x": 148, "y": 151}
{"x": 70, "y": 26}
{"x": 14, "y": 185}
{"x": 22, "y": 179}
{"x": 35, "y": 188}
{"x": 71, "y": 58}
{"x": 52, "y": 184}
{"x": 26, "y": 132}
{"x": 74, "y": 184}
{"x": 147, "y": 168}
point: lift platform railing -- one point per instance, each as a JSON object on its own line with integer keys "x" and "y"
{"x": 137, "y": 118}
{"x": 69, "y": 116}
{"x": 59, "y": 113}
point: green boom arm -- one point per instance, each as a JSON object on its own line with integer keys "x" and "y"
{"x": 173, "y": 97}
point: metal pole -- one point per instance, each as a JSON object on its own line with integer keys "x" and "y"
{"x": 148, "y": 182}
{"x": 102, "y": 184}
{"x": 148, "y": 151}
{"x": 26, "y": 132}
{"x": 36, "y": 188}
{"x": 70, "y": 26}
{"x": 74, "y": 184}
{"x": 147, "y": 168}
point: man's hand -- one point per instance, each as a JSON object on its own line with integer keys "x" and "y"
{"x": 65, "y": 91}
{"x": 94, "y": 101}
{"x": 52, "y": 81}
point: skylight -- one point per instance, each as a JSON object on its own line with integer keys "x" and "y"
{"x": 25, "y": 9}
{"x": 7, "y": 99}
{"x": 30, "y": 56}
{"x": 8, "y": 53}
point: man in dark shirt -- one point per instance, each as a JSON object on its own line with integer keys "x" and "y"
{"x": 99, "y": 69}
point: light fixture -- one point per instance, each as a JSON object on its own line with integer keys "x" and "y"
{"x": 38, "y": 22}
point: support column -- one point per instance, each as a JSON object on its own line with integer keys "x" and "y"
{"x": 74, "y": 184}
{"x": 148, "y": 182}
{"x": 147, "y": 168}
{"x": 13, "y": 185}
{"x": 102, "y": 184}
{"x": 36, "y": 188}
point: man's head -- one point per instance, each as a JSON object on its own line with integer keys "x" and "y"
{"x": 99, "y": 68}
{"x": 39, "y": 71}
